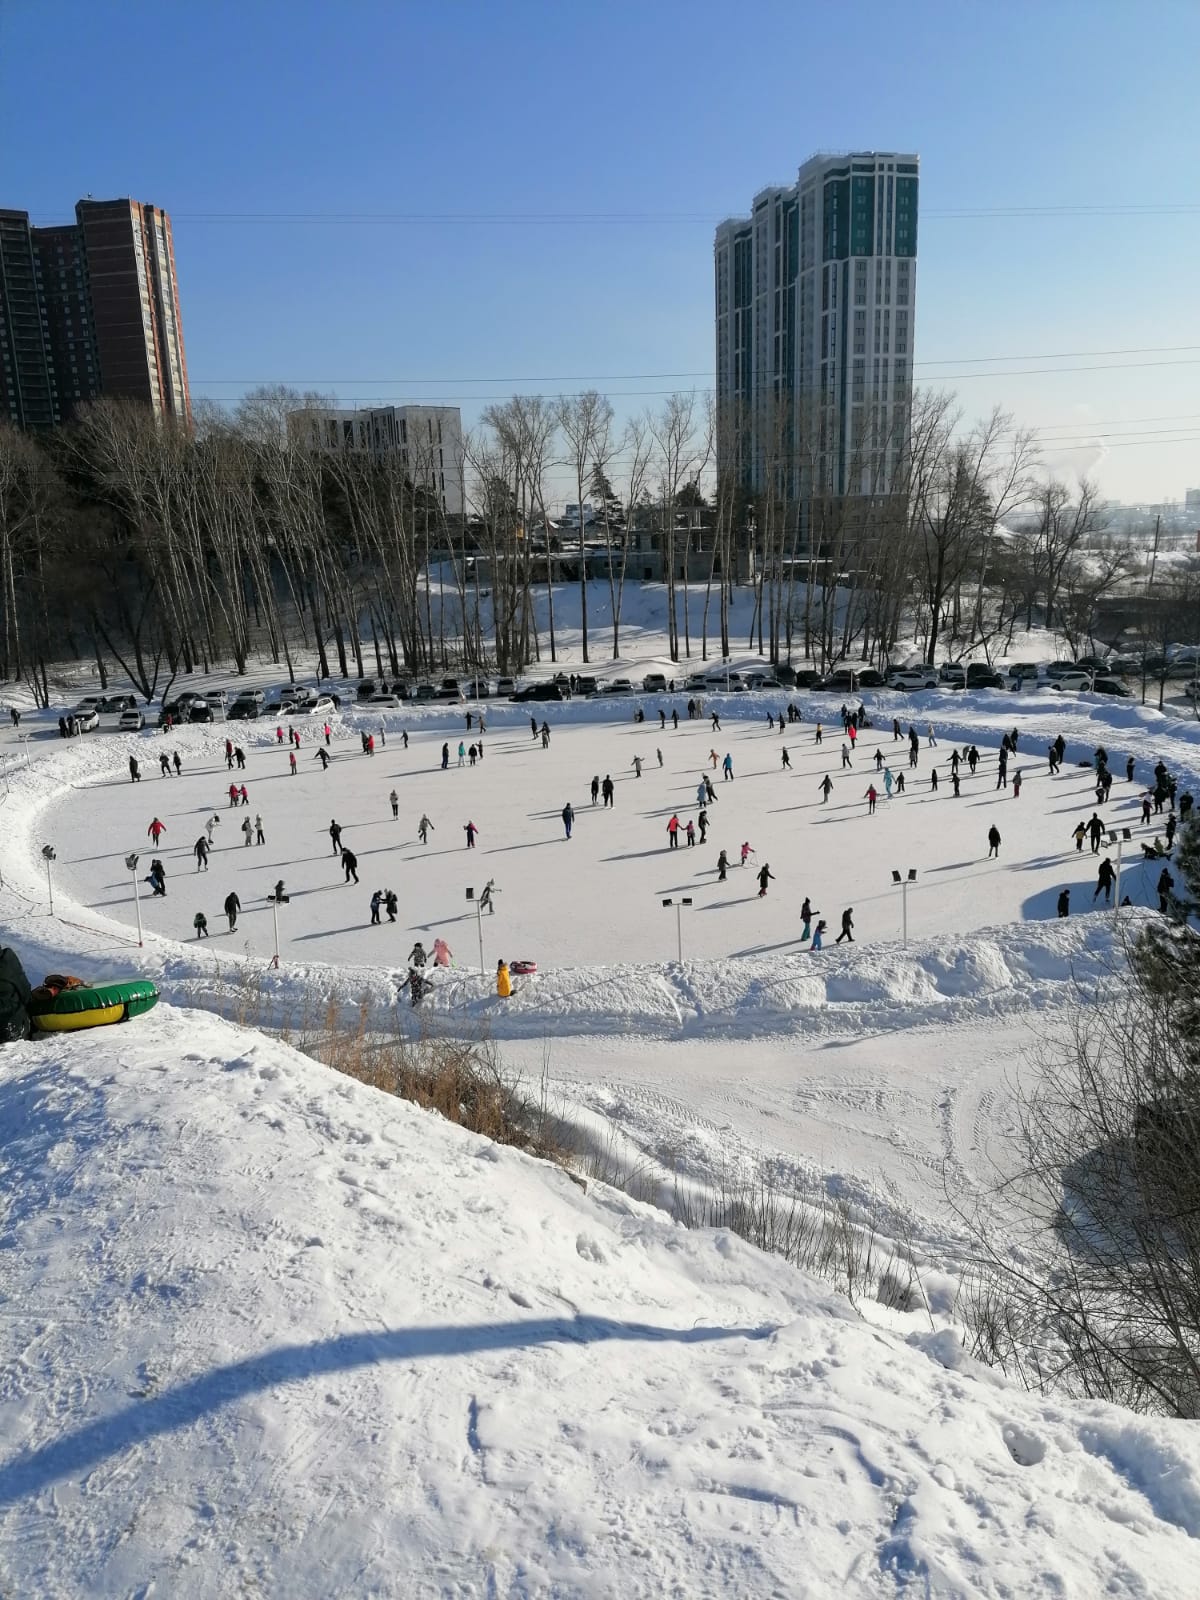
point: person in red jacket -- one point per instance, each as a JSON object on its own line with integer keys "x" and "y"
{"x": 156, "y": 830}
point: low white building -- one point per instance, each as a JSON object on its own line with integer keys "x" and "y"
{"x": 428, "y": 440}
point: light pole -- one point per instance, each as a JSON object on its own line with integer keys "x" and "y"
{"x": 131, "y": 861}
{"x": 48, "y": 857}
{"x": 276, "y": 899}
{"x": 478, "y": 904}
{"x": 904, "y": 883}
{"x": 1118, "y": 836}
{"x": 679, "y": 905}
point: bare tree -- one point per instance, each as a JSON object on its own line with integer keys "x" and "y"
{"x": 585, "y": 421}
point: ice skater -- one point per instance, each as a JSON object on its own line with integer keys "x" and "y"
{"x": 259, "y": 836}
{"x": 993, "y": 841}
{"x": 200, "y": 851}
{"x": 200, "y": 923}
{"x": 424, "y": 827}
{"x": 394, "y": 802}
{"x": 765, "y": 876}
{"x": 1105, "y": 878}
{"x": 847, "y": 932}
{"x": 826, "y": 788}
{"x": 568, "y": 818}
{"x": 232, "y": 906}
{"x": 335, "y": 835}
{"x": 350, "y": 865}
{"x": 470, "y": 830}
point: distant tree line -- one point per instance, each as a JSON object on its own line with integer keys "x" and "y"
{"x": 156, "y": 550}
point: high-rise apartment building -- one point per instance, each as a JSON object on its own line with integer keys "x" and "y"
{"x": 90, "y": 308}
{"x": 426, "y": 440}
{"x": 815, "y": 317}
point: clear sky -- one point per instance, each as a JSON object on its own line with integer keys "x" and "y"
{"x": 609, "y": 138}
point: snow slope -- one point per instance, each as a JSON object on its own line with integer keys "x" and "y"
{"x": 267, "y": 1332}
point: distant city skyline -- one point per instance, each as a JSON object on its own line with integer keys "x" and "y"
{"x": 540, "y": 217}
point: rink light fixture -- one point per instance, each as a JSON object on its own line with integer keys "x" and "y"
{"x": 1115, "y": 834}
{"x": 668, "y": 902}
{"x": 912, "y": 875}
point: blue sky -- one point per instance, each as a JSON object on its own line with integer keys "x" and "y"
{"x": 665, "y": 111}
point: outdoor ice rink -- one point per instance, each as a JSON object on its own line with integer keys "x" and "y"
{"x": 595, "y": 899}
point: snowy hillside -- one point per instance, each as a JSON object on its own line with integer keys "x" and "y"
{"x": 269, "y": 1332}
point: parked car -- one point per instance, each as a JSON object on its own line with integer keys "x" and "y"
{"x": 1073, "y": 681}
{"x": 984, "y": 678}
{"x": 216, "y": 698}
{"x": 322, "y": 706}
{"x": 114, "y": 704}
{"x": 244, "y": 711}
{"x": 1114, "y": 686}
{"x": 1064, "y": 669}
{"x": 868, "y": 678}
{"x": 538, "y": 691}
{"x": 90, "y": 702}
{"x": 619, "y": 686}
{"x": 424, "y": 691}
{"x": 696, "y": 681}
{"x": 808, "y": 678}
{"x": 200, "y": 711}
{"x": 477, "y": 689}
{"x": 383, "y": 699}
{"x": 912, "y": 678}
{"x": 448, "y": 689}
{"x": 368, "y": 687}
{"x": 655, "y": 683}
{"x": 952, "y": 675}
{"x": 131, "y": 721}
{"x": 506, "y": 686}
{"x": 1021, "y": 675}
{"x": 86, "y": 718}
{"x": 256, "y": 696}
{"x": 586, "y": 684}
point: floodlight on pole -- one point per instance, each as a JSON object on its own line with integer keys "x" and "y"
{"x": 679, "y": 905}
{"x": 903, "y": 882}
{"x": 477, "y": 901}
{"x": 48, "y": 855}
{"x": 1118, "y": 836}
{"x": 131, "y": 862}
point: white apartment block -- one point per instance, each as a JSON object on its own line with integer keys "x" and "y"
{"x": 815, "y": 318}
{"x": 427, "y": 440}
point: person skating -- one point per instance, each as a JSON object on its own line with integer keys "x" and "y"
{"x": 259, "y": 836}
{"x": 817, "y": 734}
{"x": 636, "y": 764}
{"x": 200, "y": 923}
{"x": 1105, "y": 878}
{"x": 328, "y": 732}
{"x": 243, "y": 795}
{"x": 232, "y": 906}
{"x": 888, "y": 781}
{"x": 247, "y": 832}
{"x": 727, "y": 767}
{"x": 806, "y": 915}
{"x": 164, "y": 765}
{"x": 404, "y": 733}
{"x": 846, "y": 761}
{"x": 673, "y": 831}
{"x": 1016, "y": 784}
{"x": 722, "y": 866}
{"x": 349, "y": 866}
{"x": 899, "y": 783}
{"x": 1170, "y": 831}
{"x": 15, "y": 716}
{"x": 871, "y": 796}
{"x": 417, "y": 956}
{"x": 1064, "y": 903}
{"x": 503, "y": 979}
{"x": 200, "y": 851}
{"x": 157, "y": 878}
{"x": 568, "y": 818}
{"x": 702, "y": 824}
{"x": 818, "y": 938}
{"x": 292, "y": 762}
{"x": 765, "y": 876}
{"x": 607, "y": 789}
{"x": 1129, "y": 766}
{"x": 155, "y": 831}
{"x": 847, "y": 932}
{"x": 658, "y": 753}
{"x": 213, "y": 822}
{"x": 533, "y": 727}
{"x": 470, "y": 830}
{"x": 1095, "y": 832}
{"x": 545, "y": 736}
{"x": 418, "y": 985}
{"x": 177, "y": 763}
{"x": 710, "y": 794}
{"x": 702, "y": 791}
{"x": 1052, "y": 758}
{"x": 391, "y": 904}
{"x": 826, "y": 788}
{"x": 487, "y": 900}
{"x": 462, "y": 752}
{"x": 279, "y": 734}
{"x": 675, "y": 718}
{"x": 239, "y": 756}
{"x": 229, "y": 754}
{"x": 335, "y": 835}
{"x": 135, "y": 772}
{"x": 933, "y": 780}
{"x": 662, "y": 719}
{"x": 972, "y": 759}
{"x": 1002, "y": 770}
{"x": 932, "y": 738}
{"x": 1163, "y": 887}
{"x": 878, "y": 760}
{"x": 691, "y": 833}
{"x": 595, "y": 788}
{"x": 376, "y": 903}
{"x": 747, "y": 851}
{"x": 956, "y": 781}
{"x": 786, "y": 759}
{"x": 993, "y": 841}
{"x": 322, "y": 756}
{"x": 713, "y": 759}
{"x": 716, "y": 722}
{"x": 424, "y": 828}
{"x": 445, "y": 756}
{"x": 442, "y": 953}
{"x": 954, "y": 760}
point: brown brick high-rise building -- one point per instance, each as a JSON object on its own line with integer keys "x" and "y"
{"x": 90, "y": 309}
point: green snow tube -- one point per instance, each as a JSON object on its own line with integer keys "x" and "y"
{"x": 94, "y": 1007}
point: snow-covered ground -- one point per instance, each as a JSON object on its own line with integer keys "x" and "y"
{"x": 267, "y": 1332}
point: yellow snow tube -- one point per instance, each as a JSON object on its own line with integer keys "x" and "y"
{"x": 96, "y": 1007}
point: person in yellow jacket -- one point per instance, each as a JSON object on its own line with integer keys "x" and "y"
{"x": 503, "y": 981}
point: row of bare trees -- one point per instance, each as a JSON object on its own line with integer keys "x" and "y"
{"x": 162, "y": 550}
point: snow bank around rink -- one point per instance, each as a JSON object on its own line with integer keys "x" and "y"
{"x": 990, "y": 972}
{"x": 267, "y": 1330}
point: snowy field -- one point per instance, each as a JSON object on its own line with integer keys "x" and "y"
{"x": 267, "y": 1332}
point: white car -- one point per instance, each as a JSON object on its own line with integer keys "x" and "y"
{"x": 86, "y": 718}
{"x": 655, "y": 683}
{"x": 380, "y": 700}
{"x": 620, "y": 686}
{"x": 1073, "y": 681}
{"x": 913, "y": 678}
{"x": 131, "y": 722}
{"x": 322, "y": 706}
